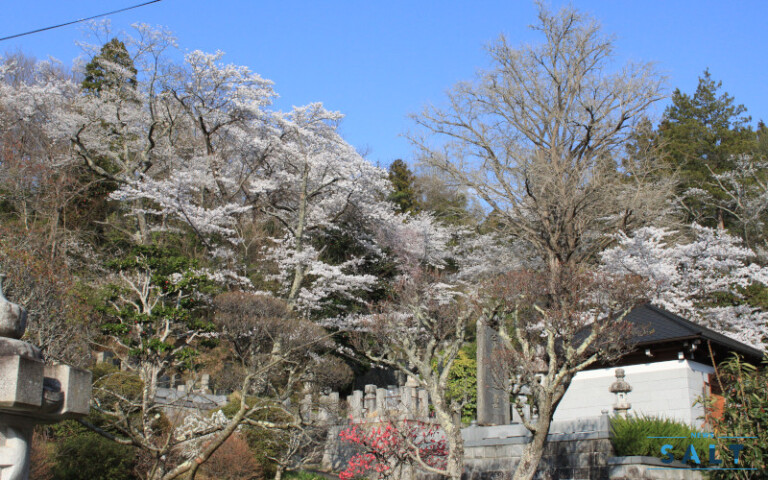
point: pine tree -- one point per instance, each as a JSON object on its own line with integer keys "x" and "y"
{"x": 704, "y": 135}
{"x": 404, "y": 189}
{"x": 112, "y": 68}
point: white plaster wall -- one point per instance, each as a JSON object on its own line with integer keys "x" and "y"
{"x": 664, "y": 389}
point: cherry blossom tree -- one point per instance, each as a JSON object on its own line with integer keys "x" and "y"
{"x": 312, "y": 181}
{"x": 544, "y": 344}
{"x": 41, "y": 187}
{"x": 703, "y": 279}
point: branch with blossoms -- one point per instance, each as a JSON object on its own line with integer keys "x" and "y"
{"x": 389, "y": 448}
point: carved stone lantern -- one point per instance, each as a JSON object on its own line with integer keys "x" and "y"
{"x": 621, "y": 388}
{"x": 31, "y": 392}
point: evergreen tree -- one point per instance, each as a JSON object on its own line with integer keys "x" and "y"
{"x": 704, "y": 135}
{"x": 112, "y": 68}
{"x": 404, "y": 188}
{"x": 110, "y": 78}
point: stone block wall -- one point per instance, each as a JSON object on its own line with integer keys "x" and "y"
{"x": 575, "y": 450}
{"x": 649, "y": 468}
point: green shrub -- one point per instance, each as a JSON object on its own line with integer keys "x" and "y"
{"x": 301, "y": 475}
{"x": 630, "y": 437}
{"x": 462, "y": 382}
{"x": 92, "y": 457}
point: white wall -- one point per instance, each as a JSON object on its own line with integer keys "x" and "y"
{"x": 665, "y": 389}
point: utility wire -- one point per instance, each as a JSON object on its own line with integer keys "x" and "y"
{"x": 78, "y": 21}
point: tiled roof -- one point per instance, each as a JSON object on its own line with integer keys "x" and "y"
{"x": 658, "y": 325}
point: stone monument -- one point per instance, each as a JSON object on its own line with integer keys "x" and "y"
{"x": 492, "y": 383}
{"x": 621, "y": 388}
{"x": 31, "y": 392}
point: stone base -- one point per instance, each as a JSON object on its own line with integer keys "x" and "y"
{"x": 11, "y": 346}
{"x": 649, "y": 468}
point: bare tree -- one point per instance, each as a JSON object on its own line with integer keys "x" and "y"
{"x": 545, "y": 343}
{"x": 58, "y": 321}
{"x": 542, "y": 139}
{"x": 262, "y": 330}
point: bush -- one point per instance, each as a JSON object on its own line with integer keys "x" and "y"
{"x": 744, "y": 414}
{"x": 92, "y": 457}
{"x": 462, "y": 382}
{"x": 41, "y": 456}
{"x": 302, "y": 476}
{"x": 233, "y": 461}
{"x": 630, "y": 437}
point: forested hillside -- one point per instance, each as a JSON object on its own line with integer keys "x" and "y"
{"x": 166, "y": 212}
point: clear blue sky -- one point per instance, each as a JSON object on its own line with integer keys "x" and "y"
{"x": 378, "y": 61}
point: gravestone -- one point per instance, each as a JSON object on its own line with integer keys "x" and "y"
{"x": 492, "y": 383}
{"x": 381, "y": 401}
{"x": 355, "y": 403}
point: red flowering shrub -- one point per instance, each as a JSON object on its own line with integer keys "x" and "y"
{"x": 388, "y": 447}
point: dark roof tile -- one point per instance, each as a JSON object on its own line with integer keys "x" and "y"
{"x": 658, "y": 325}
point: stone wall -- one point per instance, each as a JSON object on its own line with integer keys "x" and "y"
{"x": 576, "y": 449}
{"x": 649, "y": 468}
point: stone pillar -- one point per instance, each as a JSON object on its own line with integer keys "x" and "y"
{"x": 205, "y": 383}
{"x": 105, "y": 357}
{"x": 406, "y": 401}
{"x": 393, "y": 397}
{"x": 381, "y": 401}
{"x": 423, "y": 409}
{"x": 332, "y": 406}
{"x": 493, "y": 406}
{"x": 323, "y": 415}
{"x": 355, "y": 404}
{"x": 16, "y": 436}
{"x": 305, "y": 408}
{"x": 605, "y": 423}
{"x": 370, "y": 399}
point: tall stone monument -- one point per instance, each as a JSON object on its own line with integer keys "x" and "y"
{"x": 31, "y": 392}
{"x": 492, "y": 383}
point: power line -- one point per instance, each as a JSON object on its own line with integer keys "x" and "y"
{"x": 78, "y": 21}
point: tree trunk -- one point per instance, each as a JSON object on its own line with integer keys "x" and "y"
{"x": 279, "y": 472}
{"x": 529, "y": 462}
{"x": 141, "y": 220}
{"x": 298, "y": 274}
{"x": 455, "y": 461}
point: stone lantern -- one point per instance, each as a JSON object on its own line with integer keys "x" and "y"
{"x": 621, "y": 388}
{"x": 31, "y": 392}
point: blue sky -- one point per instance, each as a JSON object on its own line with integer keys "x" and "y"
{"x": 378, "y": 61}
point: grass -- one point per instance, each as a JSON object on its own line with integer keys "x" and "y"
{"x": 301, "y": 475}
